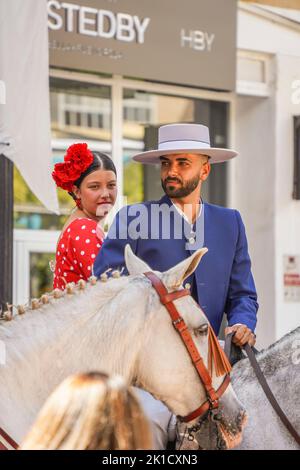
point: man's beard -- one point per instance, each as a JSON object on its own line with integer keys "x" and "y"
{"x": 179, "y": 191}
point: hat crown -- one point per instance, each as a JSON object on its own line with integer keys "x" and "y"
{"x": 183, "y": 132}
{"x": 185, "y": 138}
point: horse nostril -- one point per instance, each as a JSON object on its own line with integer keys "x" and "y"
{"x": 241, "y": 419}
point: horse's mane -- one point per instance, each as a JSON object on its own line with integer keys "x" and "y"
{"x": 27, "y": 334}
{"x": 48, "y": 302}
{"x": 282, "y": 349}
{"x": 101, "y": 326}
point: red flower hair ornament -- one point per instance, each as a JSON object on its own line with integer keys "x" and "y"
{"x": 77, "y": 159}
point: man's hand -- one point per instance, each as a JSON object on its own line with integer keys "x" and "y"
{"x": 243, "y": 335}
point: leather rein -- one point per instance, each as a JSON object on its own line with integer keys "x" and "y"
{"x": 213, "y": 396}
{"x": 263, "y": 383}
{"x": 8, "y": 439}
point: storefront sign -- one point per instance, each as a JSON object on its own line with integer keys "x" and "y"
{"x": 189, "y": 43}
{"x": 292, "y": 278}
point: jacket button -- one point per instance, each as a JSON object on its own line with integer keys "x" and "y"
{"x": 192, "y": 241}
{"x": 187, "y": 285}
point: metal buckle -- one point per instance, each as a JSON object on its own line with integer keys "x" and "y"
{"x": 176, "y": 322}
{"x": 213, "y": 403}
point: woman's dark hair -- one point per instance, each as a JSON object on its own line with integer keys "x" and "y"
{"x": 101, "y": 161}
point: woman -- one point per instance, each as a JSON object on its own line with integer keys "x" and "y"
{"x": 91, "y": 179}
{"x": 90, "y": 412}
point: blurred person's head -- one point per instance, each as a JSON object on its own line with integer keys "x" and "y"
{"x": 90, "y": 412}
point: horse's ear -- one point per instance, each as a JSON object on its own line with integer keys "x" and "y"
{"x": 134, "y": 264}
{"x": 175, "y": 276}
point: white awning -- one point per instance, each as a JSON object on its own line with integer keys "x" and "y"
{"x": 294, "y": 4}
{"x": 25, "y": 133}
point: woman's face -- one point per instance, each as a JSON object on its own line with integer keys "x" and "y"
{"x": 98, "y": 192}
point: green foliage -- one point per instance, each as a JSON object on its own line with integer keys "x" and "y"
{"x": 35, "y": 218}
{"x": 133, "y": 183}
{"x": 41, "y": 277}
{"x": 23, "y": 194}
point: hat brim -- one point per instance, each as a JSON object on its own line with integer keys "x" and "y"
{"x": 216, "y": 155}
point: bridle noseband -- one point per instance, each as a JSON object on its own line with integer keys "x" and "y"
{"x": 213, "y": 396}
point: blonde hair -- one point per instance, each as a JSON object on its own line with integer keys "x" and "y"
{"x": 90, "y": 412}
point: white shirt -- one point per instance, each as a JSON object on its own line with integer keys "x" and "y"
{"x": 182, "y": 214}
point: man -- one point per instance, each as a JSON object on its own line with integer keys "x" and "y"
{"x": 165, "y": 232}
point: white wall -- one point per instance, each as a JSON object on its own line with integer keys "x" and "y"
{"x": 255, "y": 198}
{"x": 263, "y": 173}
{"x": 258, "y": 33}
{"x": 287, "y": 209}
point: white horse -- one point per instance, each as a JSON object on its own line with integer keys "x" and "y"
{"x": 280, "y": 364}
{"x": 118, "y": 326}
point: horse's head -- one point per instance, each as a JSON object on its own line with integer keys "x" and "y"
{"x": 165, "y": 368}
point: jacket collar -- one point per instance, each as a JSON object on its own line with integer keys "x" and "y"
{"x": 166, "y": 200}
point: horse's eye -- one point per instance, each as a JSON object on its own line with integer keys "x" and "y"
{"x": 202, "y": 330}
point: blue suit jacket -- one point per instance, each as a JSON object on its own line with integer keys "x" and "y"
{"x": 222, "y": 282}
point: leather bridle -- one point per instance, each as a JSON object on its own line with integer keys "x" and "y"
{"x": 213, "y": 396}
{"x": 8, "y": 439}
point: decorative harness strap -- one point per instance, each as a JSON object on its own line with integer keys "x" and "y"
{"x": 8, "y": 439}
{"x": 167, "y": 299}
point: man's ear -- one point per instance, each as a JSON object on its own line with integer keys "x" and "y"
{"x": 205, "y": 171}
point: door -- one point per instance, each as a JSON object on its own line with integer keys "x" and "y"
{"x": 33, "y": 250}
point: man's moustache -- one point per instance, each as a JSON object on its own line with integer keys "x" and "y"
{"x": 172, "y": 181}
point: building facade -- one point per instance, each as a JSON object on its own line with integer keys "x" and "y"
{"x": 265, "y": 175}
{"x": 114, "y": 81}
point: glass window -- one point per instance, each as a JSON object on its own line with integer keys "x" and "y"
{"x": 41, "y": 277}
{"x": 79, "y": 112}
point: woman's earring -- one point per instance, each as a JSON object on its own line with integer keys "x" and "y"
{"x": 78, "y": 203}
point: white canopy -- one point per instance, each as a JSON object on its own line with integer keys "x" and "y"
{"x": 294, "y": 4}
{"x": 25, "y": 134}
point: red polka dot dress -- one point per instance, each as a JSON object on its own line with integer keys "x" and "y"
{"x": 76, "y": 251}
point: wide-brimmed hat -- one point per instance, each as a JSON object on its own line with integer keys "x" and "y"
{"x": 184, "y": 138}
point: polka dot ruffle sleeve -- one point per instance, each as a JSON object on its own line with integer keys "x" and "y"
{"x": 77, "y": 249}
